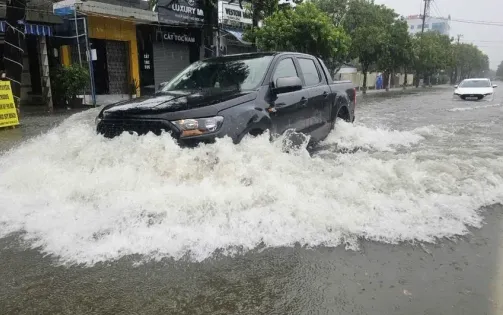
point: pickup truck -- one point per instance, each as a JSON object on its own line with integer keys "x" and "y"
{"x": 235, "y": 96}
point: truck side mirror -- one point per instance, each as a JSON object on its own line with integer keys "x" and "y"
{"x": 287, "y": 84}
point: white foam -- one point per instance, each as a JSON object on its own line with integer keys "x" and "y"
{"x": 88, "y": 199}
{"x": 463, "y": 109}
{"x": 347, "y": 135}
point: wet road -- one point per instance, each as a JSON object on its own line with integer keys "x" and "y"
{"x": 423, "y": 169}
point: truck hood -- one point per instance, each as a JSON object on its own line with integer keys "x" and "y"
{"x": 175, "y": 101}
{"x": 483, "y": 90}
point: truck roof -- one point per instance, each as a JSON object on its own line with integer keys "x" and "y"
{"x": 257, "y": 54}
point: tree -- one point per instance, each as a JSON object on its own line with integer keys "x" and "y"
{"x": 432, "y": 53}
{"x": 396, "y": 51}
{"x": 335, "y": 9}
{"x": 499, "y": 72}
{"x": 303, "y": 29}
{"x": 468, "y": 61}
{"x": 368, "y": 25}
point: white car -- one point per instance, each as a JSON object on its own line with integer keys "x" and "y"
{"x": 475, "y": 89}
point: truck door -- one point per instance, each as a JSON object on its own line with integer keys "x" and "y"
{"x": 320, "y": 97}
{"x": 290, "y": 108}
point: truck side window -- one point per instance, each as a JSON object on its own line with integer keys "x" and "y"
{"x": 285, "y": 68}
{"x": 310, "y": 72}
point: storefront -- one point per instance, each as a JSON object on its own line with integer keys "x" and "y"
{"x": 168, "y": 48}
{"x": 166, "y": 51}
{"x": 36, "y": 59}
{"x": 114, "y": 50}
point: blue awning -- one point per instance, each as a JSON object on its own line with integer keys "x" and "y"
{"x": 238, "y": 35}
{"x": 31, "y": 29}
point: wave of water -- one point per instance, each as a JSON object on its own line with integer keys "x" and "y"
{"x": 87, "y": 199}
{"x": 470, "y": 108}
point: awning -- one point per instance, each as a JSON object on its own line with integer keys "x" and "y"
{"x": 31, "y": 29}
{"x": 238, "y": 35}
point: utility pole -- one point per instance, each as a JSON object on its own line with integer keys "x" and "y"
{"x": 425, "y": 13}
{"x": 456, "y": 71}
{"x": 459, "y": 37}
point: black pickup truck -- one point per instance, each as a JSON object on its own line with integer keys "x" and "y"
{"x": 238, "y": 95}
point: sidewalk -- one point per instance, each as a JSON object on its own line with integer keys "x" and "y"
{"x": 40, "y": 110}
{"x": 401, "y": 91}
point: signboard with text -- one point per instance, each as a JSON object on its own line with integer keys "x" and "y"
{"x": 232, "y": 12}
{"x": 177, "y": 35}
{"x": 185, "y": 12}
{"x": 8, "y": 111}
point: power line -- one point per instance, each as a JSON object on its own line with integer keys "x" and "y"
{"x": 489, "y": 23}
{"x": 467, "y": 21}
{"x": 484, "y": 41}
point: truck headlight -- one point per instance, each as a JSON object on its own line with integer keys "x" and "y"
{"x": 198, "y": 126}
{"x": 97, "y": 120}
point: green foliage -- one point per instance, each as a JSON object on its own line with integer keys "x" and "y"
{"x": 261, "y": 9}
{"x": 335, "y": 9}
{"x": 469, "y": 60}
{"x": 303, "y": 29}
{"x": 397, "y": 50}
{"x": 134, "y": 87}
{"x": 69, "y": 81}
{"x": 432, "y": 52}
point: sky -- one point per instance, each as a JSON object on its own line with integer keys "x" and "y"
{"x": 488, "y": 38}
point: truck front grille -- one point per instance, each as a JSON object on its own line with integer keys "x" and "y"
{"x": 114, "y": 128}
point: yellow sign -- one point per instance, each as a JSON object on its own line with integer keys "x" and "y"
{"x": 8, "y": 111}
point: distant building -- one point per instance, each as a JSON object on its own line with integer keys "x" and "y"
{"x": 439, "y": 24}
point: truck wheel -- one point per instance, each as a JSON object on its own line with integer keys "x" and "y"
{"x": 343, "y": 114}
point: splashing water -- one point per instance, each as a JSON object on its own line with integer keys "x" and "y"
{"x": 470, "y": 108}
{"x": 88, "y": 199}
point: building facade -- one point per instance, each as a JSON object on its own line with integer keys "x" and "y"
{"x": 233, "y": 20}
{"x": 438, "y": 24}
{"x": 101, "y": 35}
{"x": 38, "y": 55}
{"x": 172, "y": 44}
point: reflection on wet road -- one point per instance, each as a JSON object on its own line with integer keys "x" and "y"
{"x": 398, "y": 214}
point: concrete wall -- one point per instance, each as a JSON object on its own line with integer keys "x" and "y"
{"x": 357, "y": 79}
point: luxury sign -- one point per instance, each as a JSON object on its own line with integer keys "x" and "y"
{"x": 188, "y": 12}
{"x": 187, "y": 9}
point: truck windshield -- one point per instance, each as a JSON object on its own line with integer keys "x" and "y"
{"x": 241, "y": 73}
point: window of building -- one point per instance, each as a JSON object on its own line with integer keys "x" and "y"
{"x": 285, "y": 68}
{"x": 437, "y": 26}
{"x": 412, "y": 27}
{"x": 310, "y": 72}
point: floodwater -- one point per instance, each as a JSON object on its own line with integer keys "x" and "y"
{"x": 397, "y": 214}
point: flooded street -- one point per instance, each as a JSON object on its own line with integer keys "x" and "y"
{"x": 399, "y": 213}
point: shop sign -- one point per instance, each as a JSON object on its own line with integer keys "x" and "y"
{"x": 233, "y": 12}
{"x": 8, "y": 111}
{"x": 187, "y": 12}
{"x": 183, "y": 38}
{"x": 147, "y": 62}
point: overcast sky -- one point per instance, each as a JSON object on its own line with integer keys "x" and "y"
{"x": 488, "y": 38}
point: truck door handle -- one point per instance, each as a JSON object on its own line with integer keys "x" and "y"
{"x": 325, "y": 94}
{"x": 303, "y": 101}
